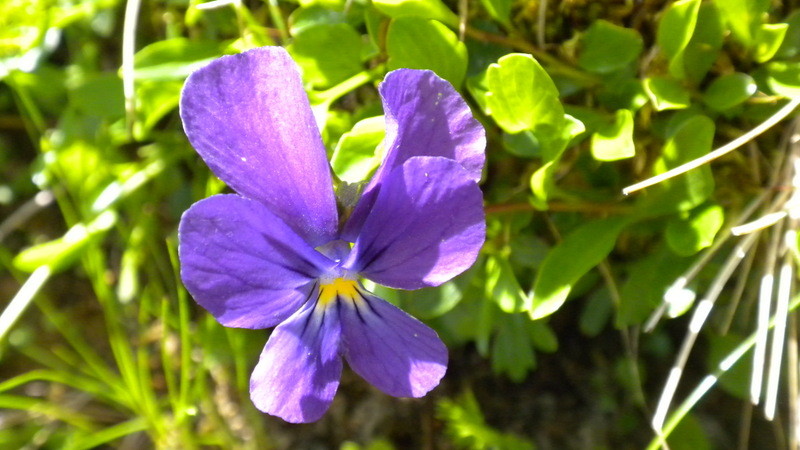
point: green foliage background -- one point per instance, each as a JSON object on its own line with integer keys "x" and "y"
{"x": 579, "y": 99}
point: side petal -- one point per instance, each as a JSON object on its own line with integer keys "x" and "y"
{"x": 427, "y": 226}
{"x": 425, "y": 116}
{"x": 395, "y": 352}
{"x": 244, "y": 264}
{"x": 300, "y": 367}
{"x": 248, "y": 117}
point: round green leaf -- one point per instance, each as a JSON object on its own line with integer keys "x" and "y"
{"x": 416, "y": 43}
{"x": 615, "y": 141}
{"x": 608, "y": 47}
{"x": 688, "y": 235}
{"x": 729, "y": 90}
{"x": 311, "y": 50}
{"x": 424, "y": 9}
{"x": 666, "y": 93}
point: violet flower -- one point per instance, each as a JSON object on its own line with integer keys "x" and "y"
{"x": 276, "y": 254}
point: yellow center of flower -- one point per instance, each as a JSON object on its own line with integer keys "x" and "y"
{"x": 338, "y": 288}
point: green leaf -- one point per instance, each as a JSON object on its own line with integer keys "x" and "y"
{"x": 311, "y": 49}
{"x": 595, "y": 313}
{"x": 512, "y": 352}
{"x": 744, "y": 17}
{"x": 689, "y": 435}
{"x": 417, "y": 43}
{"x": 735, "y": 380}
{"x": 768, "y": 40}
{"x": 424, "y": 9}
{"x": 692, "y": 138}
{"x": 704, "y": 47}
{"x": 523, "y": 144}
{"x": 542, "y": 336}
{"x": 784, "y": 78}
{"x": 666, "y": 93}
{"x": 729, "y": 90}
{"x": 502, "y": 285}
{"x": 688, "y": 235}
{"x": 61, "y": 253}
{"x": 302, "y": 18}
{"x": 500, "y": 10}
{"x": 675, "y": 30}
{"x": 99, "y": 96}
{"x": 354, "y": 157}
{"x": 790, "y": 47}
{"x": 174, "y": 59}
{"x": 568, "y": 261}
{"x": 615, "y": 141}
{"x": 466, "y": 427}
{"x": 608, "y": 47}
{"x": 647, "y": 282}
{"x": 154, "y": 100}
{"x": 521, "y": 95}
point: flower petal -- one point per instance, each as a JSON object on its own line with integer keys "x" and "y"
{"x": 249, "y": 119}
{"x": 427, "y": 226}
{"x": 299, "y": 369}
{"x": 244, "y": 264}
{"x": 425, "y": 116}
{"x": 395, "y": 352}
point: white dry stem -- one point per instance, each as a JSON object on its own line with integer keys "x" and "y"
{"x": 24, "y": 296}
{"x": 128, "y": 52}
{"x": 699, "y": 317}
{"x": 727, "y": 148}
{"x": 216, "y": 4}
{"x": 765, "y": 294}
{"x": 679, "y": 287}
{"x": 778, "y": 337}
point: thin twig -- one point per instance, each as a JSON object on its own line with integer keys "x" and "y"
{"x": 727, "y": 148}
{"x": 128, "y": 52}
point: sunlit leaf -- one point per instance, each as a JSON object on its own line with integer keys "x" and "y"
{"x": 675, "y": 30}
{"x": 768, "y": 40}
{"x": 355, "y": 154}
{"x": 521, "y": 95}
{"x": 688, "y": 235}
{"x": 729, "y": 90}
{"x": 502, "y": 285}
{"x": 784, "y": 78}
{"x": 311, "y": 49}
{"x": 666, "y": 93}
{"x": 425, "y": 9}
{"x": 174, "y": 59}
{"x": 692, "y": 139}
{"x": 608, "y": 47}
{"x": 615, "y": 141}
{"x": 568, "y": 261}
{"x": 416, "y": 43}
{"x": 744, "y": 17}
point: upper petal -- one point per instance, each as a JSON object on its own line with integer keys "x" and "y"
{"x": 427, "y": 225}
{"x": 299, "y": 369}
{"x": 395, "y": 352}
{"x": 425, "y": 116}
{"x": 244, "y": 264}
{"x": 248, "y": 117}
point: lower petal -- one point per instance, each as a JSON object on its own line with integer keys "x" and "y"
{"x": 395, "y": 352}
{"x": 300, "y": 367}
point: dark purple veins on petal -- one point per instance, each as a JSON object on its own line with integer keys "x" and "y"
{"x": 244, "y": 264}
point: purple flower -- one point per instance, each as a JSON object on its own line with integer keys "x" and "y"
{"x": 276, "y": 254}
